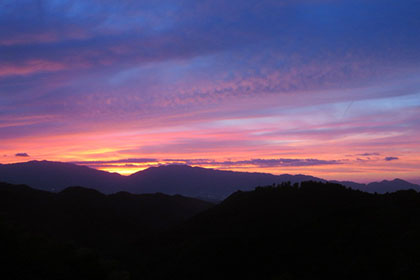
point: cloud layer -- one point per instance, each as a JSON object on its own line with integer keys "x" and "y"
{"x": 324, "y": 87}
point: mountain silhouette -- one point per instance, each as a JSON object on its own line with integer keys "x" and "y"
{"x": 56, "y": 176}
{"x": 391, "y": 186}
{"x": 380, "y": 187}
{"x": 202, "y": 182}
{"x": 209, "y": 184}
{"x": 169, "y": 179}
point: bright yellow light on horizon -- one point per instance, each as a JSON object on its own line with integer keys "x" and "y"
{"x": 123, "y": 170}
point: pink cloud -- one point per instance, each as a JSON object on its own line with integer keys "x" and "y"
{"x": 30, "y": 67}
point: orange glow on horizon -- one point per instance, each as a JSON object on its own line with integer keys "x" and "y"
{"x": 241, "y": 144}
{"x": 123, "y": 170}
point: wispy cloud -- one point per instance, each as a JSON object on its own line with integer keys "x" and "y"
{"x": 279, "y": 162}
{"x": 368, "y": 154}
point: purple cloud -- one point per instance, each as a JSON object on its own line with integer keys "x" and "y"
{"x": 391, "y": 158}
{"x": 21, "y": 155}
{"x": 368, "y": 154}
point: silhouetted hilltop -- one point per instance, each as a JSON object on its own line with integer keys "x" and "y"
{"x": 91, "y": 218}
{"x": 203, "y": 182}
{"x": 209, "y": 184}
{"x": 381, "y": 187}
{"x": 391, "y": 186}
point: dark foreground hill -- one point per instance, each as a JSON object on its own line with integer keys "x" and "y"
{"x": 190, "y": 181}
{"x": 312, "y": 231}
{"x": 92, "y": 218}
{"x": 316, "y": 231}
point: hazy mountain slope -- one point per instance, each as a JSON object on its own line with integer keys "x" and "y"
{"x": 197, "y": 181}
{"x": 56, "y": 176}
{"x": 391, "y": 186}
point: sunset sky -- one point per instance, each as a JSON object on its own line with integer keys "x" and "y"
{"x": 329, "y": 88}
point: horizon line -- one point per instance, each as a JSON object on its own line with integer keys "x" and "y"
{"x": 210, "y": 168}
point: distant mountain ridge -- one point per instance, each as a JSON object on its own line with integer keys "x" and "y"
{"x": 200, "y": 182}
{"x": 383, "y": 186}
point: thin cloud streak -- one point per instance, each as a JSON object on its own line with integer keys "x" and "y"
{"x": 280, "y": 162}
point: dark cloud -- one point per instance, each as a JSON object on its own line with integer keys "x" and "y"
{"x": 21, "y": 155}
{"x": 391, "y": 158}
{"x": 368, "y": 154}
